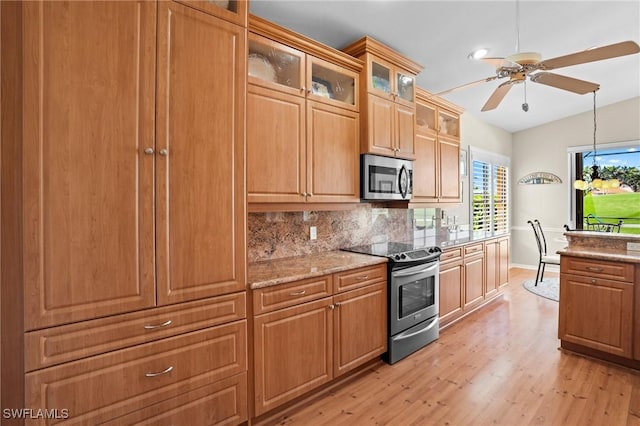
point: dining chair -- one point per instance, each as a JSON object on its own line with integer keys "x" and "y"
{"x": 544, "y": 258}
{"x": 594, "y": 223}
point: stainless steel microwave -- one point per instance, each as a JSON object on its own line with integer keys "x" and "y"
{"x": 385, "y": 178}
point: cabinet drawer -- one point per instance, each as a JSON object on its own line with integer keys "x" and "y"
{"x": 221, "y": 403}
{"x": 348, "y": 280}
{"x": 473, "y": 248}
{"x": 56, "y": 345}
{"x": 452, "y": 254}
{"x": 103, "y": 387}
{"x": 280, "y": 296}
{"x": 597, "y": 268}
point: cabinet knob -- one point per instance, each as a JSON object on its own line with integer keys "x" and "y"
{"x": 337, "y": 305}
{"x": 302, "y": 89}
{"x": 332, "y": 307}
{"x": 304, "y": 194}
{"x": 148, "y": 151}
{"x": 593, "y": 281}
{"x": 164, "y": 152}
{"x": 310, "y": 194}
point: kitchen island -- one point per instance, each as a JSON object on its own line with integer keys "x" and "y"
{"x": 600, "y": 296}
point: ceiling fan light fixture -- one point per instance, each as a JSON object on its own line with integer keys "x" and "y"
{"x": 523, "y": 58}
{"x": 478, "y": 53}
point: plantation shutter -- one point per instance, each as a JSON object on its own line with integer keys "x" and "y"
{"x": 500, "y": 198}
{"x": 490, "y": 191}
{"x": 481, "y": 203}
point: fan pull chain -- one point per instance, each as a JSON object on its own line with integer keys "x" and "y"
{"x": 525, "y": 105}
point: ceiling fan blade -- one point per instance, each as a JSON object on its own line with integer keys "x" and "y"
{"x": 499, "y": 63}
{"x": 591, "y": 55}
{"x": 497, "y": 96}
{"x": 566, "y": 83}
{"x": 464, "y": 86}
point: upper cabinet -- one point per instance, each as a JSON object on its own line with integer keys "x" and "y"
{"x": 132, "y": 163}
{"x": 436, "y": 170}
{"x": 388, "y": 99}
{"x": 303, "y": 121}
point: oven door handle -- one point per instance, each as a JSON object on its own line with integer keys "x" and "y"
{"x": 420, "y": 271}
{"x": 407, "y": 334}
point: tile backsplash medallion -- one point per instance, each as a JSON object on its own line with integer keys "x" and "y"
{"x": 286, "y": 234}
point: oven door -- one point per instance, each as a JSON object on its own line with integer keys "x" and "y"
{"x": 413, "y": 295}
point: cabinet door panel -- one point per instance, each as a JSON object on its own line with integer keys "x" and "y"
{"x": 380, "y": 126}
{"x": 88, "y": 186}
{"x": 292, "y": 352}
{"x": 449, "y": 169}
{"x": 200, "y": 193}
{"x": 425, "y": 171}
{"x": 333, "y": 161}
{"x": 405, "y": 129}
{"x": 276, "y": 156}
{"x": 360, "y": 327}
{"x": 474, "y": 285}
{"x": 596, "y": 313}
{"x": 503, "y": 270}
{"x": 451, "y": 293}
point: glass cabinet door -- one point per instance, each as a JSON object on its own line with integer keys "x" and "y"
{"x": 425, "y": 117}
{"x": 405, "y": 87}
{"x": 448, "y": 123}
{"x": 332, "y": 84}
{"x": 230, "y": 10}
{"x": 274, "y": 65}
{"x": 380, "y": 77}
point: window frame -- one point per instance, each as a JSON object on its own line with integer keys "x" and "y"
{"x": 495, "y": 162}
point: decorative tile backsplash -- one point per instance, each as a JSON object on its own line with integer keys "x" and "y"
{"x": 286, "y": 234}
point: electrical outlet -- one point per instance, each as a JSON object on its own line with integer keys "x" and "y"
{"x": 633, "y": 246}
{"x": 313, "y": 233}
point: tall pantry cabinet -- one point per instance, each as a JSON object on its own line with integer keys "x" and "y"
{"x": 132, "y": 209}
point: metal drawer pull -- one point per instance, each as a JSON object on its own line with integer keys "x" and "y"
{"x": 160, "y": 373}
{"x": 297, "y": 293}
{"x": 591, "y": 268}
{"x": 154, "y": 326}
{"x": 363, "y": 277}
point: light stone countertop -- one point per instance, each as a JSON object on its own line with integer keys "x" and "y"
{"x": 279, "y": 271}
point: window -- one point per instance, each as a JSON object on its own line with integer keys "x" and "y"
{"x": 607, "y": 205}
{"x": 490, "y": 191}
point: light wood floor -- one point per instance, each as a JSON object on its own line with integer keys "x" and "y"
{"x": 499, "y": 366}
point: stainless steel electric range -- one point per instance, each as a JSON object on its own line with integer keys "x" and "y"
{"x": 412, "y": 295}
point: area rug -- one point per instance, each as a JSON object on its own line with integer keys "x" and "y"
{"x": 549, "y": 288}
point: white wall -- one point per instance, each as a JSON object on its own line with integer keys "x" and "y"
{"x": 544, "y": 149}
{"x": 479, "y": 134}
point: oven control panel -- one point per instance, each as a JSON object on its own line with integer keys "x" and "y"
{"x": 424, "y": 254}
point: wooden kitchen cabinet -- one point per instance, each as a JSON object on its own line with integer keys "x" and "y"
{"x": 304, "y": 338}
{"x": 132, "y": 202}
{"x": 302, "y": 106}
{"x": 387, "y": 94}
{"x": 90, "y": 172}
{"x": 496, "y": 254}
{"x": 596, "y": 305}
{"x": 293, "y": 350}
{"x": 503, "y": 261}
{"x": 436, "y": 173}
{"x": 451, "y": 297}
{"x": 473, "y": 275}
{"x": 360, "y": 326}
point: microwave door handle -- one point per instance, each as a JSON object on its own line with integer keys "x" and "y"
{"x": 403, "y": 186}
{"x": 406, "y": 274}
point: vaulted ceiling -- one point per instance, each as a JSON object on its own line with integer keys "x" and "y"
{"x": 440, "y": 35}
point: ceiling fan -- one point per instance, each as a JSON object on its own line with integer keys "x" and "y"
{"x": 529, "y": 65}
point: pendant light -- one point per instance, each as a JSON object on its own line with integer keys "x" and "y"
{"x": 595, "y": 182}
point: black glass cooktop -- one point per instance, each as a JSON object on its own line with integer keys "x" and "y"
{"x": 382, "y": 249}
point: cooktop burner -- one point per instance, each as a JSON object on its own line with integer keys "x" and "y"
{"x": 399, "y": 252}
